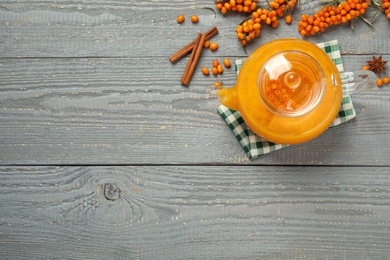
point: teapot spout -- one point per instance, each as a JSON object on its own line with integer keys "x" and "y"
{"x": 357, "y": 81}
{"x": 228, "y": 97}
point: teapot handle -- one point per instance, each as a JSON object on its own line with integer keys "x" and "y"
{"x": 356, "y": 81}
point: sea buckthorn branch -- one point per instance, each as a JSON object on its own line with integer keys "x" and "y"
{"x": 250, "y": 27}
{"x": 333, "y": 14}
{"x": 246, "y": 6}
{"x": 282, "y": 6}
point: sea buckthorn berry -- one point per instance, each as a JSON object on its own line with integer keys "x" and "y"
{"x": 218, "y": 84}
{"x": 288, "y": 19}
{"x": 220, "y": 69}
{"x": 214, "y": 70}
{"x": 379, "y": 82}
{"x": 206, "y": 44}
{"x": 214, "y": 46}
{"x": 215, "y": 63}
{"x": 252, "y": 6}
{"x": 205, "y": 71}
{"x": 180, "y": 19}
{"x": 365, "y": 67}
{"x": 226, "y": 62}
{"x": 386, "y": 80}
{"x": 275, "y": 24}
{"x": 194, "y": 19}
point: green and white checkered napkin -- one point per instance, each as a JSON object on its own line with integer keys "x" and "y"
{"x": 254, "y": 145}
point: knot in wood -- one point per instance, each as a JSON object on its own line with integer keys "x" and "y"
{"x": 111, "y": 191}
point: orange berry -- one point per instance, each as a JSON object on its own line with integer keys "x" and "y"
{"x": 226, "y": 62}
{"x": 194, "y": 19}
{"x": 214, "y": 46}
{"x": 205, "y": 71}
{"x": 218, "y": 84}
{"x": 215, "y": 63}
{"x": 288, "y": 19}
{"x": 220, "y": 69}
{"x": 386, "y": 80}
{"x": 275, "y": 24}
{"x": 365, "y": 67}
{"x": 214, "y": 70}
{"x": 253, "y": 5}
{"x": 180, "y": 19}
{"x": 240, "y": 36}
{"x": 379, "y": 82}
{"x": 206, "y": 44}
{"x": 257, "y": 26}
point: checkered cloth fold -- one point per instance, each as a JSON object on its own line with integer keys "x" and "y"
{"x": 255, "y": 146}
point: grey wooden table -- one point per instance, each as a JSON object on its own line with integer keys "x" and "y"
{"x": 105, "y": 155}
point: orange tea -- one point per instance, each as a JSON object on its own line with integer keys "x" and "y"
{"x": 291, "y": 83}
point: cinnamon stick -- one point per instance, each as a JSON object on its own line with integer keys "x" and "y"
{"x": 188, "y": 48}
{"x": 194, "y": 58}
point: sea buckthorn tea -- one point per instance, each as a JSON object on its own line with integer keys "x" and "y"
{"x": 291, "y": 83}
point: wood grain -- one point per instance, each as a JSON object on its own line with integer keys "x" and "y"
{"x": 91, "y": 83}
{"x": 195, "y": 212}
{"x": 109, "y": 111}
{"x": 104, "y": 155}
{"x": 128, "y": 29}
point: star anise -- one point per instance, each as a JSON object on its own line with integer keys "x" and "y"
{"x": 377, "y": 65}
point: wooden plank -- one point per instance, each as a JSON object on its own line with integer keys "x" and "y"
{"x": 130, "y": 111}
{"x": 194, "y": 212}
{"x": 149, "y": 28}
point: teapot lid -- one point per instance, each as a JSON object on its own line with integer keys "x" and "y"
{"x": 291, "y": 83}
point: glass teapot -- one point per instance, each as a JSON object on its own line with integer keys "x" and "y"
{"x": 289, "y": 91}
